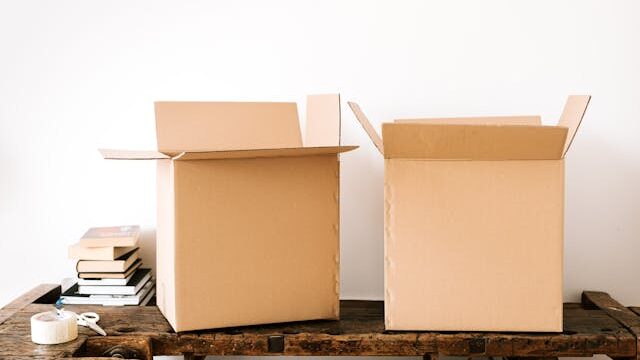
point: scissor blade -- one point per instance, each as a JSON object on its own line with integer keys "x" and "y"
{"x": 95, "y": 327}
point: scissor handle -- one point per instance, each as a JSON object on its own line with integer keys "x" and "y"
{"x": 91, "y": 316}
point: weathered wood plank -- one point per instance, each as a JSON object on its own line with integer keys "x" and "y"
{"x": 189, "y": 356}
{"x": 635, "y": 309}
{"x": 617, "y": 311}
{"x": 32, "y": 295}
{"x": 588, "y": 331}
{"x": 90, "y": 358}
{"x": 134, "y": 347}
{"x": 53, "y": 358}
{"x": 124, "y": 320}
{"x": 24, "y": 357}
{"x": 360, "y": 332}
{"x": 35, "y": 294}
{"x": 21, "y": 345}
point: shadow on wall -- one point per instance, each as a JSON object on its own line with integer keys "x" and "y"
{"x": 147, "y": 244}
{"x": 601, "y": 217}
{"x": 361, "y": 216}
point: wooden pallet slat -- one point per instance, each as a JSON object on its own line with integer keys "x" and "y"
{"x": 41, "y": 292}
{"x": 629, "y": 319}
{"x": 594, "y": 327}
{"x": 619, "y": 312}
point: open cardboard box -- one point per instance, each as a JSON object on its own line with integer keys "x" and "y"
{"x": 248, "y": 217}
{"x": 474, "y": 220}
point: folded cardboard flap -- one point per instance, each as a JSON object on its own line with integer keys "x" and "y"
{"x": 490, "y": 138}
{"x": 366, "y": 125}
{"x": 116, "y": 154}
{"x": 483, "y": 120}
{"x": 219, "y": 130}
{"x": 262, "y": 153}
{"x": 572, "y": 114}
{"x": 472, "y": 142}
{"x": 323, "y": 120}
{"x": 199, "y": 126}
{"x": 223, "y": 154}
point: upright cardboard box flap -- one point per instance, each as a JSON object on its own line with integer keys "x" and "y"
{"x": 203, "y": 126}
{"x": 114, "y": 154}
{"x": 362, "y": 119}
{"x": 262, "y": 153}
{"x": 472, "y": 142}
{"x": 323, "y": 120}
{"x": 483, "y": 120}
{"x": 572, "y": 115}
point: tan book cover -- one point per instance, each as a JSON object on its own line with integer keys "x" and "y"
{"x": 117, "y": 236}
{"x": 107, "y": 275}
{"x": 109, "y": 266}
{"x": 79, "y": 252}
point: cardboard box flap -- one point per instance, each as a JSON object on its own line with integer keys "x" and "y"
{"x": 133, "y": 154}
{"x": 323, "y": 120}
{"x": 261, "y": 153}
{"x": 473, "y": 142}
{"x": 483, "y": 120}
{"x": 199, "y": 126}
{"x": 362, "y": 119}
{"x": 572, "y": 114}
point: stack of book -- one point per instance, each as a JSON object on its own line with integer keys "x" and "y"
{"x": 109, "y": 269}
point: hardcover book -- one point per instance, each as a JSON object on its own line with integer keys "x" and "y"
{"x": 119, "y": 265}
{"x": 105, "y": 281}
{"x": 80, "y": 252}
{"x": 111, "y": 236}
{"x": 111, "y": 275}
{"x": 73, "y": 297}
{"x": 138, "y": 280}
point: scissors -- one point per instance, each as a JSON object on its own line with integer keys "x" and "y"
{"x": 89, "y": 319}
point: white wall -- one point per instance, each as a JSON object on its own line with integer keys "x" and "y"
{"x": 77, "y": 75}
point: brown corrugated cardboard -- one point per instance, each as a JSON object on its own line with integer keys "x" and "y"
{"x": 201, "y": 126}
{"x": 275, "y": 247}
{"x": 373, "y": 134}
{"x": 474, "y": 215}
{"x": 320, "y": 131}
{"x": 472, "y": 142}
{"x": 248, "y": 219}
{"x": 483, "y": 120}
{"x": 572, "y": 115}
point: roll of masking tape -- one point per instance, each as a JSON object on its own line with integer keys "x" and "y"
{"x": 54, "y": 328}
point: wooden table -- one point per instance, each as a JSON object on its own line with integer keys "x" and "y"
{"x": 598, "y": 325}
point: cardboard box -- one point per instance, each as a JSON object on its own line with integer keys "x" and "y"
{"x": 248, "y": 217}
{"x": 474, "y": 221}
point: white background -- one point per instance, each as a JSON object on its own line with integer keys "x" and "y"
{"x": 78, "y": 75}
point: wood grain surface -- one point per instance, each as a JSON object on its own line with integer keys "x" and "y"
{"x": 592, "y": 327}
